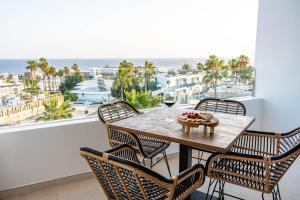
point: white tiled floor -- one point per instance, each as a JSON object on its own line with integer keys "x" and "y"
{"x": 89, "y": 189}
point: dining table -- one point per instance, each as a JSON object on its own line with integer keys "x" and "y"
{"x": 154, "y": 124}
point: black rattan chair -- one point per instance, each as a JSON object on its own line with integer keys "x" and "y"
{"x": 258, "y": 160}
{"x": 122, "y": 177}
{"x": 147, "y": 147}
{"x": 219, "y": 105}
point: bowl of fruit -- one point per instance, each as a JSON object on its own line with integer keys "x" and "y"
{"x": 195, "y": 119}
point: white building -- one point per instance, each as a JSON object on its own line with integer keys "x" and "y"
{"x": 90, "y": 92}
{"x": 7, "y": 89}
{"x": 15, "y": 77}
{"x": 97, "y": 71}
{"x": 186, "y": 86}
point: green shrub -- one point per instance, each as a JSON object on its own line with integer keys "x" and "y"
{"x": 69, "y": 83}
{"x": 141, "y": 100}
{"x": 70, "y": 96}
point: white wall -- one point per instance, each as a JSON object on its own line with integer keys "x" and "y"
{"x": 253, "y": 108}
{"x": 41, "y": 153}
{"x": 277, "y": 63}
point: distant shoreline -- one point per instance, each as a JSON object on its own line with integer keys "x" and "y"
{"x": 18, "y": 65}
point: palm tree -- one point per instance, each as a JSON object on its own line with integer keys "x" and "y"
{"x": 60, "y": 74}
{"x": 215, "y": 70}
{"x": 243, "y": 62}
{"x": 52, "y": 71}
{"x": 239, "y": 65}
{"x": 233, "y": 66}
{"x": 207, "y": 80}
{"x": 32, "y": 65}
{"x": 124, "y": 77}
{"x": 185, "y": 69}
{"x": 44, "y": 67}
{"x": 67, "y": 71}
{"x": 149, "y": 72}
{"x": 32, "y": 87}
{"x": 76, "y": 69}
{"x": 247, "y": 75}
{"x": 54, "y": 110}
{"x": 200, "y": 67}
{"x": 77, "y": 73}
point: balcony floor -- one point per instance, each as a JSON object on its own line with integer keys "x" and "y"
{"x": 88, "y": 189}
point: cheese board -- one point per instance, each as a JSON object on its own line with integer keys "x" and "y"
{"x": 195, "y": 119}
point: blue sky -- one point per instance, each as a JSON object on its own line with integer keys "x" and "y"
{"x": 127, "y": 28}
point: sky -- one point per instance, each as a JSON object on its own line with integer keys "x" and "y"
{"x": 127, "y": 28}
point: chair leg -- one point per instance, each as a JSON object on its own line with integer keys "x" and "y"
{"x": 273, "y": 196}
{"x": 213, "y": 183}
{"x": 208, "y": 189}
{"x": 276, "y": 193}
{"x": 200, "y": 156}
{"x": 144, "y": 162}
{"x": 262, "y": 196}
{"x": 167, "y": 163}
{"x": 222, "y": 183}
{"x": 151, "y": 163}
{"x": 221, "y": 189}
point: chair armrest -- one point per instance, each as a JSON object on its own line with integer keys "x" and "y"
{"x": 124, "y": 151}
{"x": 188, "y": 181}
{"x": 262, "y": 133}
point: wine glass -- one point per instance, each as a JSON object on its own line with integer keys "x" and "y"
{"x": 169, "y": 99}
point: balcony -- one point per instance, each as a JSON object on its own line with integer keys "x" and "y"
{"x": 42, "y": 161}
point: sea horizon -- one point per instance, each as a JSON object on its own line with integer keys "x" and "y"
{"x": 18, "y": 65}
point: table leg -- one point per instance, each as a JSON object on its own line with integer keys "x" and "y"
{"x": 185, "y": 162}
{"x": 185, "y": 157}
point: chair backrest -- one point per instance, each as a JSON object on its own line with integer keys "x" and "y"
{"x": 116, "y": 111}
{"x": 124, "y": 179}
{"x": 220, "y": 105}
{"x": 289, "y": 150}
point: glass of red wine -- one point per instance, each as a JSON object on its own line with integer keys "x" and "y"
{"x": 169, "y": 99}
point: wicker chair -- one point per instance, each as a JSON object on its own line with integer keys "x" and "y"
{"x": 122, "y": 177}
{"x": 258, "y": 160}
{"x": 147, "y": 147}
{"x": 219, "y": 105}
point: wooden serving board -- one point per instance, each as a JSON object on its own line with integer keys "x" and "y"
{"x": 190, "y": 123}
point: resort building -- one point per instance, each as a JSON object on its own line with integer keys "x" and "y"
{"x": 98, "y": 71}
{"x": 91, "y": 92}
{"x": 7, "y": 89}
{"x": 188, "y": 85}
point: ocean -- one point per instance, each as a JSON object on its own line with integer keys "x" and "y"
{"x": 19, "y": 65}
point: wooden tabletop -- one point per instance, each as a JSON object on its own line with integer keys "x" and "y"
{"x": 153, "y": 124}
